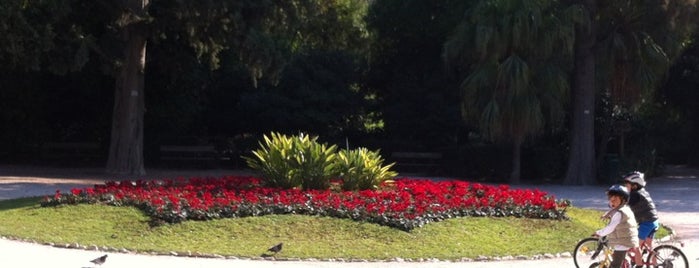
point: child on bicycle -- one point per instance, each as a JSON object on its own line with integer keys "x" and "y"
{"x": 621, "y": 231}
{"x": 643, "y": 209}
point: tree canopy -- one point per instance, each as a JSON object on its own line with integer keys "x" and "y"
{"x": 515, "y": 82}
{"x": 457, "y": 77}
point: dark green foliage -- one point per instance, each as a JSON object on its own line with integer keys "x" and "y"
{"x": 635, "y": 50}
{"x": 634, "y": 44}
{"x": 656, "y": 135}
{"x": 57, "y": 36}
{"x": 378, "y": 81}
{"x": 637, "y": 41}
{"x": 177, "y": 86}
{"x": 417, "y": 98}
{"x": 513, "y": 83}
{"x": 679, "y": 101}
{"x": 318, "y": 92}
{"x": 543, "y": 160}
{"x": 185, "y": 39}
{"x": 510, "y": 75}
{"x": 480, "y": 161}
{"x": 29, "y": 29}
{"x": 22, "y": 117}
{"x": 262, "y": 34}
{"x": 41, "y": 107}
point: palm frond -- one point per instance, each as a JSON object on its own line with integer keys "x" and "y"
{"x": 484, "y": 38}
{"x": 654, "y": 52}
{"x": 513, "y": 76}
{"x": 579, "y": 15}
{"x": 514, "y": 42}
{"x": 490, "y": 118}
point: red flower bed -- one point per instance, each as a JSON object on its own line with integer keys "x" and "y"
{"x": 404, "y": 204}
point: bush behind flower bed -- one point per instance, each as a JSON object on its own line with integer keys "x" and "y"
{"x": 404, "y": 204}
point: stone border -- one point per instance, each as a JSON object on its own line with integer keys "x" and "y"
{"x": 191, "y": 254}
{"x": 669, "y": 239}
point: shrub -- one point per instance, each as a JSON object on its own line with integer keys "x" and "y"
{"x": 362, "y": 169}
{"x": 272, "y": 159}
{"x": 298, "y": 161}
{"x": 316, "y": 163}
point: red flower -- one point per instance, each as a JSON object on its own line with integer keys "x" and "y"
{"x": 404, "y": 203}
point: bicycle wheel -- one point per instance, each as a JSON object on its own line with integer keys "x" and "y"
{"x": 588, "y": 253}
{"x": 668, "y": 256}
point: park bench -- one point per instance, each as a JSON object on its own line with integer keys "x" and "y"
{"x": 417, "y": 162}
{"x": 80, "y": 151}
{"x": 191, "y": 155}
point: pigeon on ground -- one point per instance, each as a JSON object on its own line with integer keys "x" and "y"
{"x": 276, "y": 248}
{"x": 100, "y": 260}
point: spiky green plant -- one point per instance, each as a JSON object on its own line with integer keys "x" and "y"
{"x": 297, "y": 161}
{"x": 362, "y": 169}
{"x": 315, "y": 162}
{"x": 272, "y": 159}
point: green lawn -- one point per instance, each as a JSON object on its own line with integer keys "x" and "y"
{"x": 303, "y": 236}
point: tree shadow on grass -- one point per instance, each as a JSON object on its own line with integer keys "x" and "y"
{"x": 24, "y": 202}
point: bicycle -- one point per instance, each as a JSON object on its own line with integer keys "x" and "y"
{"x": 594, "y": 252}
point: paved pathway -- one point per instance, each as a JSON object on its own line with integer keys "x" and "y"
{"x": 676, "y": 195}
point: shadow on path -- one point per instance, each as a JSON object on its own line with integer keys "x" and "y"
{"x": 21, "y": 181}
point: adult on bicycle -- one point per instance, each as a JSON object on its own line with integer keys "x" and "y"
{"x": 643, "y": 209}
{"x": 621, "y": 231}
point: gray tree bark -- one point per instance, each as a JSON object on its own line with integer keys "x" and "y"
{"x": 126, "y": 143}
{"x": 581, "y": 162}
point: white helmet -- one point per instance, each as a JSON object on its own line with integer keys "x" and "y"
{"x": 635, "y": 177}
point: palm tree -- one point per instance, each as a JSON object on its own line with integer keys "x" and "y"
{"x": 623, "y": 53}
{"x": 514, "y": 56}
{"x": 630, "y": 65}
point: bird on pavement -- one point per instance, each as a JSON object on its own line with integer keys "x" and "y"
{"x": 100, "y": 260}
{"x": 276, "y": 248}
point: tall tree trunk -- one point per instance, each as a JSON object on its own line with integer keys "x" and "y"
{"x": 581, "y": 162}
{"x": 693, "y": 148}
{"x": 126, "y": 144}
{"x": 516, "y": 175}
{"x": 602, "y": 144}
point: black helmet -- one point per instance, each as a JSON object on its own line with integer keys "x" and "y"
{"x": 635, "y": 177}
{"x": 619, "y": 190}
